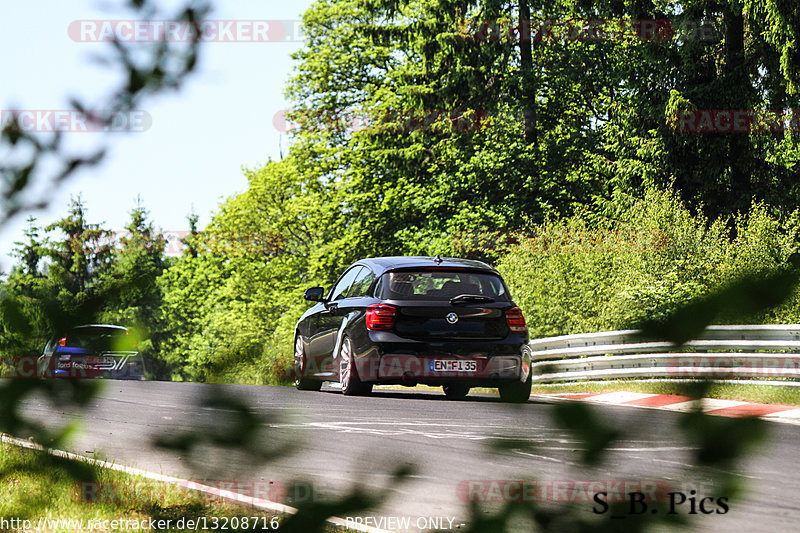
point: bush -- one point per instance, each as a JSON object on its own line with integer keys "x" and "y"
{"x": 569, "y": 277}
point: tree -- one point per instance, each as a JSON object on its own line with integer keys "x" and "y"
{"x": 132, "y": 297}
{"x": 30, "y": 252}
{"x": 225, "y": 308}
{"x": 58, "y": 282}
{"x": 83, "y": 255}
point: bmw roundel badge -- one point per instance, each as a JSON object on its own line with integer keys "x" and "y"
{"x": 452, "y": 318}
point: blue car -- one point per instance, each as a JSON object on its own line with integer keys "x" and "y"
{"x": 92, "y": 351}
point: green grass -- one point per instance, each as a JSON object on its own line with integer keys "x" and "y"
{"x": 34, "y": 484}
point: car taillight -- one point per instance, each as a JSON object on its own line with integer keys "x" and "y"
{"x": 62, "y": 341}
{"x": 515, "y": 320}
{"x": 380, "y": 316}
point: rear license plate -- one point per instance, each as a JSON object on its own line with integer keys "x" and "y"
{"x": 453, "y": 365}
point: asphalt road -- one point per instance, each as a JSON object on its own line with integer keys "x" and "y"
{"x": 339, "y": 442}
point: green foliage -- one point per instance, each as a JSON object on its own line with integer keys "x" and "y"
{"x": 419, "y": 133}
{"x": 132, "y": 296}
{"x": 229, "y": 311}
{"x": 567, "y": 146}
{"x": 57, "y": 284}
{"x": 570, "y": 277}
{"x": 74, "y": 275}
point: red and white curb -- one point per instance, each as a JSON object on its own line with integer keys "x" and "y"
{"x": 789, "y": 414}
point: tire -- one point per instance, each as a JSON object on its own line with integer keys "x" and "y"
{"x": 348, "y": 373}
{"x": 516, "y": 392}
{"x": 299, "y": 367}
{"x": 455, "y": 391}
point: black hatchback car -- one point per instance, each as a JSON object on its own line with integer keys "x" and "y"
{"x": 415, "y": 320}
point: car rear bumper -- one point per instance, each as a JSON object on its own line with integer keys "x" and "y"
{"x": 79, "y": 372}
{"x": 474, "y": 363}
{"x": 407, "y": 369}
{"x": 109, "y": 366}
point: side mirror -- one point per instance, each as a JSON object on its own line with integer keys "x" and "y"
{"x": 315, "y": 294}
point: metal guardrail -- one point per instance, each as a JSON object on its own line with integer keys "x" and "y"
{"x": 720, "y": 353}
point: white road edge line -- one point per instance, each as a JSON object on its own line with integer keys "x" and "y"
{"x": 261, "y": 503}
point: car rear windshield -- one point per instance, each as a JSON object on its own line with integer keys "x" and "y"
{"x": 441, "y": 285}
{"x": 100, "y": 339}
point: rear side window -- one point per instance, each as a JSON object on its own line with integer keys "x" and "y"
{"x": 362, "y": 283}
{"x": 441, "y": 285}
{"x": 340, "y": 290}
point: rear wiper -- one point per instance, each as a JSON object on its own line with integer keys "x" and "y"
{"x": 471, "y": 298}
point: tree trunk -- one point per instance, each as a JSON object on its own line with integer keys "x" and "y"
{"x": 526, "y": 63}
{"x": 739, "y": 99}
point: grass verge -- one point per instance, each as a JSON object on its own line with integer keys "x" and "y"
{"x": 41, "y": 489}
